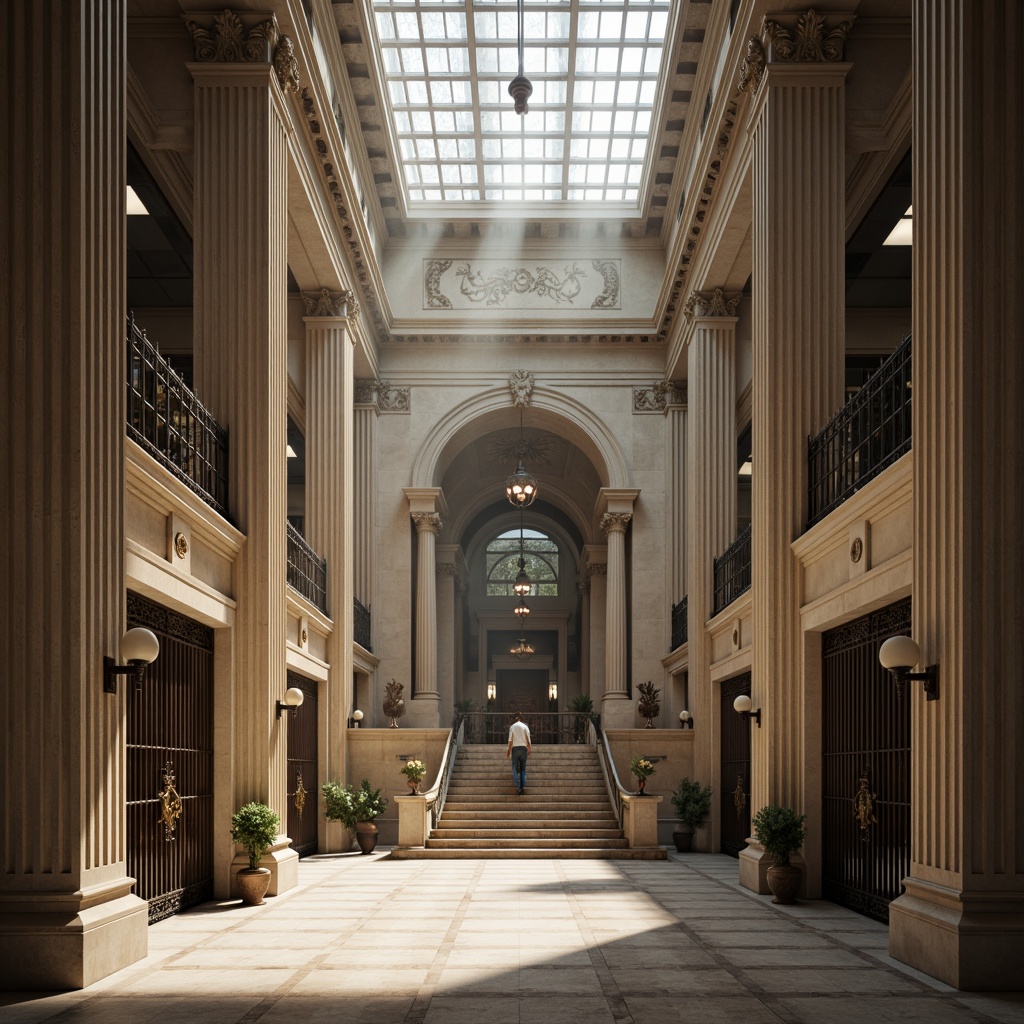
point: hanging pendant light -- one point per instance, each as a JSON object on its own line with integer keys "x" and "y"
{"x": 522, "y": 649}
{"x": 522, "y": 610}
{"x": 521, "y": 88}
{"x": 521, "y": 486}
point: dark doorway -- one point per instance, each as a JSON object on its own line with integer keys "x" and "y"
{"x": 734, "y": 789}
{"x": 865, "y": 766}
{"x": 303, "y": 779}
{"x": 169, "y": 753}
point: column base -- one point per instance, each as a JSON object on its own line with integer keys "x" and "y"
{"x": 972, "y": 942}
{"x": 754, "y": 865}
{"x": 617, "y": 711}
{"x": 53, "y": 950}
{"x": 422, "y": 712}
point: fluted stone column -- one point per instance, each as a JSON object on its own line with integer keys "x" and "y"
{"x": 329, "y": 493}
{"x": 798, "y": 181}
{"x": 426, "y": 506}
{"x": 364, "y": 492}
{"x": 240, "y": 225}
{"x": 67, "y": 913}
{"x": 447, "y": 580}
{"x": 616, "y": 708}
{"x": 595, "y": 587}
{"x": 711, "y": 490}
{"x": 962, "y": 915}
{"x": 676, "y": 471}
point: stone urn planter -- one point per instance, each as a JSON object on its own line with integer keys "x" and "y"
{"x": 366, "y": 836}
{"x": 253, "y": 884}
{"x": 682, "y": 836}
{"x": 784, "y": 883}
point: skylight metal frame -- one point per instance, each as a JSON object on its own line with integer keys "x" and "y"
{"x": 445, "y": 67}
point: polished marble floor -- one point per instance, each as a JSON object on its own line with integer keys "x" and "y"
{"x": 370, "y": 939}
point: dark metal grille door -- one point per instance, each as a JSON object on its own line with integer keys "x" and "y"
{"x": 170, "y": 764}
{"x": 734, "y": 792}
{"x": 303, "y": 783}
{"x": 866, "y": 766}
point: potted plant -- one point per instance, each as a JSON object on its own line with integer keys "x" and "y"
{"x": 340, "y": 805}
{"x": 693, "y": 804}
{"x": 254, "y": 826}
{"x": 643, "y": 770}
{"x": 583, "y": 708}
{"x": 368, "y": 805}
{"x": 781, "y": 832}
{"x": 649, "y": 706}
{"x": 414, "y": 771}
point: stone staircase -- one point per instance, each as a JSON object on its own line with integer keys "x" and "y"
{"x": 565, "y": 811}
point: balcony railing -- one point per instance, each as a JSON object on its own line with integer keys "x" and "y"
{"x": 307, "y": 571}
{"x": 732, "y": 572}
{"x": 545, "y": 726}
{"x": 868, "y": 434}
{"x": 679, "y": 628}
{"x": 361, "y": 625}
{"x": 169, "y": 422}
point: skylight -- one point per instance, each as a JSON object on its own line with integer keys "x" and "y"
{"x": 594, "y": 65}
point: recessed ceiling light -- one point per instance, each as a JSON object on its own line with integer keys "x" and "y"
{"x": 136, "y": 207}
{"x": 903, "y": 232}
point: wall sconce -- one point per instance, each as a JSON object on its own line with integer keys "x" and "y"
{"x": 357, "y": 717}
{"x": 552, "y": 691}
{"x": 293, "y": 698}
{"x": 685, "y": 720}
{"x": 139, "y": 647}
{"x": 742, "y": 705}
{"x": 492, "y": 691}
{"x": 899, "y": 654}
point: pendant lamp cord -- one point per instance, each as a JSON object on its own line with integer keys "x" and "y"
{"x": 522, "y": 12}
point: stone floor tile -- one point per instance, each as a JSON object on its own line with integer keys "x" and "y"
{"x": 860, "y": 981}
{"x": 903, "y": 1009}
{"x": 472, "y": 1009}
{"x": 699, "y": 1009}
{"x": 574, "y": 1009}
{"x": 672, "y": 981}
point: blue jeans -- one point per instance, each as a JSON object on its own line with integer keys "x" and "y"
{"x": 519, "y": 767}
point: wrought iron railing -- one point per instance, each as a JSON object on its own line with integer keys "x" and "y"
{"x": 545, "y": 726}
{"x": 307, "y": 571}
{"x": 868, "y": 434}
{"x": 680, "y": 632}
{"x": 361, "y": 624}
{"x": 732, "y": 571}
{"x": 166, "y": 419}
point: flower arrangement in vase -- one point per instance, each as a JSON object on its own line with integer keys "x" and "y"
{"x": 414, "y": 771}
{"x": 643, "y": 770}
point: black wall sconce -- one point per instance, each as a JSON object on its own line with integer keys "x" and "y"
{"x": 742, "y": 705}
{"x": 293, "y": 698}
{"x": 685, "y": 720}
{"x": 899, "y": 654}
{"x": 139, "y": 647}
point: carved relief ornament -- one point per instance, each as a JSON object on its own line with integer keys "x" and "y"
{"x": 808, "y": 40}
{"x": 286, "y": 67}
{"x": 447, "y": 569}
{"x": 381, "y": 394}
{"x": 520, "y": 384}
{"x": 427, "y": 522}
{"x": 703, "y": 304}
{"x": 659, "y": 396}
{"x": 224, "y": 38}
{"x": 331, "y": 304}
{"x": 615, "y": 522}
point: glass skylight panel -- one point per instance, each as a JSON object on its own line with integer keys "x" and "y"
{"x": 448, "y": 64}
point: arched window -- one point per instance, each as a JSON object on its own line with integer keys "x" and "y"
{"x": 540, "y": 553}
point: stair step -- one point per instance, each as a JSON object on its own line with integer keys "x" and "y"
{"x": 525, "y": 844}
{"x": 493, "y": 833}
{"x": 426, "y": 853}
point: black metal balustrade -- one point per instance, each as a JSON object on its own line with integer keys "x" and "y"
{"x": 545, "y": 726}
{"x": 732, "y": 571}
{"x": 307, "y": 571}
{"x": 168, "y": 421}
{"x": 361, "y": 624}
{"x": 680, "y": 632}
{"x": 867, "y": 435}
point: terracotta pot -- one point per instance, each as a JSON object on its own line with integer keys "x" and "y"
{"x": 784, "y": 883}
{"x": 366, "y": 836}
{"x": 640, "y": 786}
{"x": 253, "y": 884}
{"x": 414, "y": 786}
{"x": 683, "y": 838}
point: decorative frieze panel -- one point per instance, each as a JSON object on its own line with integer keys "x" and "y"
{"x": 543, "y": 284}
{"x": 382, "y": 395}
{"x": 658, "y": 397}
{"x": 523, "y": 339}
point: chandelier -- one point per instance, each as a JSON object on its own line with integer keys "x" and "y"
{"x": 520, "y": 88}
{"x": 522, "y": 649}
{"x": 521, "y": 487}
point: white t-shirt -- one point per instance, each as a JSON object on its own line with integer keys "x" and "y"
{"x": 519, "y": 734}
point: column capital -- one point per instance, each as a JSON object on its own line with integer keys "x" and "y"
{"x": 230, "y": 38}
{"x": 327, "y": 304}
{"x": 427, "y": 522}
{"x": 425, "y": 499}
{"x": 615, "y": 522}
{"x": 712, "y": 304}
{"x": 616, "y": 499}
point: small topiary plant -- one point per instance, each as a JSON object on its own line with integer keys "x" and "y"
{"x": 340, "y": 803}
{"x": 368, "y": 802}
{"x": 692, "y": 803}
{"x": 780, "y": 831}
{"x": 255, "y": 826}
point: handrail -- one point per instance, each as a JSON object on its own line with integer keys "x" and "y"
{"x": 561, "y": 727}
{"x": 306, "y": 571}
{"x": 438, "y": 792}
{"x": 611, "y": 777}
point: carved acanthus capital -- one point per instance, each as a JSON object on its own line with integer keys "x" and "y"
{"x": 520, "y": 383}
{"x": 711, "y": 304}
{"x": 382, "y": 394}
{"x": 226, "y": 38}
{"x": 806, "y": 38}
{"x": 427, "y": 522}
{"x": 752, "y": 67}
{"x": 447, "y": 569}
{"x": 286, "y": 66}
{"x": 332, "y": 304}
{"x": 659, "y": 396}
{"x": 615, "y": 522}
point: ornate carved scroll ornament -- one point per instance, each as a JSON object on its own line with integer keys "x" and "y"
{"x": 170, "y": 804}
{"x": 225, "y": 39}
{"x": 286, "y": 66}
{"x": 520, "y": 384}
{"x": 427, "y": 522}
{"x": 752, "y": 66}
{"x": 704, "y": 304}
{"x": 612, "y": 522}
{"x": 300, "y": 794}
{"x": 864, "y": 807}
{"x": 811, "y": 42}
{"x": 609, "y": 271}
{"x": 331, "y": 304}
{"x": 739, "y": 799}
{"x": 659, "y": 396}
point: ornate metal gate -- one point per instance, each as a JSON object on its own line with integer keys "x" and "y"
{"x": 734, "y": 789}
{"x": 170, "y": 764}
{"x": 303, "y": 782}
{"x": 866, "y": 766}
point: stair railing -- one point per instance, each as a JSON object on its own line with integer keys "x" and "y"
{"x": 611, "y": 777}
{"x": 438, "y": 792}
